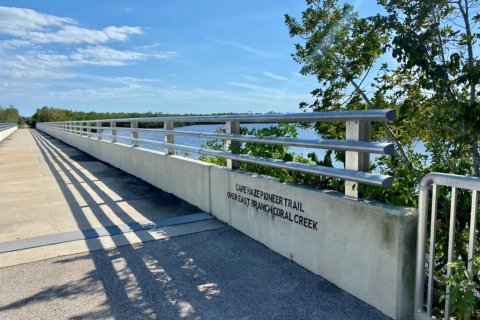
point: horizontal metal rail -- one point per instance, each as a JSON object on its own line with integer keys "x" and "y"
{"x": 341, "y": 145}
{"x": 359, "y": 115}
{"x": 356, "y": 145}
{"x": 5, "y": 126}
{"x": 434, "y": 180}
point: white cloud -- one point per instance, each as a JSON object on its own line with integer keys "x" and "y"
{"x": 273, "y": 94}
{"x": 249, "y": 86}
{"x": 260, "y": 98}
{"x": 74, "y": 34}
{"x": 49, "y": 65}
{"x": 149, "y": 46}
{"x": 274, "y": 76}
{"x": 250, "y": 78}
{"x": 243, "y": 47}
{"x": 13, "y": 44}
{"x": 36, "y": 27}
{"x": 101, "y": 93}
{"x": 16, "y": 21}
{"x": 105, "y": 56}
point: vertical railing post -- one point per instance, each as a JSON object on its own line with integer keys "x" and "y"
{"x": 358, "y": 161}
{"x": 89, "y": 129}
{"x": 113, "y": 126}
{"x": 168, "y": 125}
{"x": 99, "y": 130}
{"x": 232, "y": 127}
{"x": 134, "y": 133}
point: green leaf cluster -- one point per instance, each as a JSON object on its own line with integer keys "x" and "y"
{"x": 10, "y": 115}
{"x": 425, "y": 59}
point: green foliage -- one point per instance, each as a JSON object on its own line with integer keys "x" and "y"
{"x": 433, "y": 84}
{"x": 276, "y": 152}
{"x": 10, "y": 115}
{"x": 462, "y": 289}
{"x": 51, "y": 114}
{"x": 405, "y": 186}
{"x": 432, "y": 79}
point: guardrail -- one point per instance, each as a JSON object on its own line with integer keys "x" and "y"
{"x": 5, "y": 126}
{"x": 434, "y": 180}
{"x": 357, "y": 144}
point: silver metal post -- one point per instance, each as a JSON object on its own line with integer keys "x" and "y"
{"x": 232, "y": 127}
{"x": 473, "y": 229}
{"x": 451, "y": 249}
{"x": 358, "y": 161}
{"x": 421, "y": 242}
{"x": 89, "y": 129}
{"x": 113, "y": 125}
{"x": 168, "y": 125}
{"x": 99, "y": 130}
{"x": 431, "y": 256}
{"x": 134, "y": 133}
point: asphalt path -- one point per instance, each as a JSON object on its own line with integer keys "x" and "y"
{"x": 220, "y": 274}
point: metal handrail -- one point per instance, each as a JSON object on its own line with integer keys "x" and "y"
{"x": 357, "y": 144}
{"x": 359, "y": 115}
{"x": 455, "y": 182}
{"x": 5, "y": 126}
{"x": 341, "y": 145}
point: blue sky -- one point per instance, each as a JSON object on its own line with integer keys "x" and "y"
{"x": 182, "y": 56}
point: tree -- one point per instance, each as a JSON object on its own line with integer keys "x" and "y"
{"x": 10, "y": 115}
{"x": 433, "y": 83}
{"x": 47, "y": 114}
{"x": 431, "y": 77}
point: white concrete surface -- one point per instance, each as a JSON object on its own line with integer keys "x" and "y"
{"x": 367, "y": 249}
{"x": 5, "y": 133}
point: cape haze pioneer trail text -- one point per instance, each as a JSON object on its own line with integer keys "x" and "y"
{"x": 258, "y": 205}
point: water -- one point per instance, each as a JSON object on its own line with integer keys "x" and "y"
{"x": 124, "y": 137}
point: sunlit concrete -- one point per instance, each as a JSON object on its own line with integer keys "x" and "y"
{"x": 108, "y": 242}
{"x": 48, "y": 187}
{"x": 5, "y": 133}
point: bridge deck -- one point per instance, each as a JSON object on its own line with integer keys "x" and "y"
{"x": 57, "y": 201}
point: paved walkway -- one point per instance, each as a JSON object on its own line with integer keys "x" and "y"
{"x": 51, "y": 192}
{"x": 75, "y": 243}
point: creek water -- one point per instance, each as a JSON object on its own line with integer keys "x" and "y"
{"x": 124, "y": 137}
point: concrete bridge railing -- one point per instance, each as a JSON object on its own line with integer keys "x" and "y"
{"x": 7, "y": 129}
{"x": 365, "y": 248}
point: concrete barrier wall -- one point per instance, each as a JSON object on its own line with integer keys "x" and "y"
{"x": 367, "y": 249}
{"x": 5, "y": 133}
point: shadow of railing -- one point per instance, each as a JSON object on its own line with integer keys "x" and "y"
{"x": 122, "y": 277}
